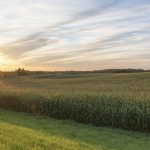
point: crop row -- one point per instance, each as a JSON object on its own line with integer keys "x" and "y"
{"x": 111, "y": 111}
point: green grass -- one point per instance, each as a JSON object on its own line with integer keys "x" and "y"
{"x": 116, "y": 100}
{"x": 19, "y": 131}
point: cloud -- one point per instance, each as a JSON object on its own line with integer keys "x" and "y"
{"x": 75, "y": 33}
{"x": 17, "y": 48}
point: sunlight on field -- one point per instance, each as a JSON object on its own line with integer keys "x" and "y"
{"x": 133, "y": 85}
{"x": 6, "y": 84}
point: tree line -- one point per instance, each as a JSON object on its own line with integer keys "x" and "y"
{"x": 23, "y": 72}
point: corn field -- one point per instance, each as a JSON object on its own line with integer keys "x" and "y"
{"x": 109, "y": 100}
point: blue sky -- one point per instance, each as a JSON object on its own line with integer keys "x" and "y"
{"x": 74, "y": 35}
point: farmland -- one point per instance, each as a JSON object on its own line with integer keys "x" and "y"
{"x": 110, "y": 100}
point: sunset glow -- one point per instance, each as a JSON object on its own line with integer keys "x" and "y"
{"x": 74, "y": 35}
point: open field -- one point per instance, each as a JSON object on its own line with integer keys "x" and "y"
{"x": 114, "y": 100}
{"x": 123, "y": 84}
{"x": 20, "y": 131}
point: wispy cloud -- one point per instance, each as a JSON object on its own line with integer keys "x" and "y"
{"x": 65, "y": 34}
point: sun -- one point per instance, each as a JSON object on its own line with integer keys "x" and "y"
{"x": 2, "y": 60}
{"x": 7, "y": 64}
{"x": 3, "y": 63}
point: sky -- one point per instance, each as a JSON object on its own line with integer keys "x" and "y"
{"x": 74, "y": 35}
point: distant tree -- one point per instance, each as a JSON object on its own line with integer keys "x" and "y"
{"x": 21, "y": 72}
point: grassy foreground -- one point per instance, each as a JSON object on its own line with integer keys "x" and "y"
{"x": 20, "y": 131}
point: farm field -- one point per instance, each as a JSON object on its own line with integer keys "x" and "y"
{"x": 75, "y": 75}
{"x": 120, "y": 84}
{"x": 21, "y": 131}
{"x": 117, "y": 100}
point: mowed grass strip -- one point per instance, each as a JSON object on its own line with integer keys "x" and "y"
{"x": 19, "y": 131}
